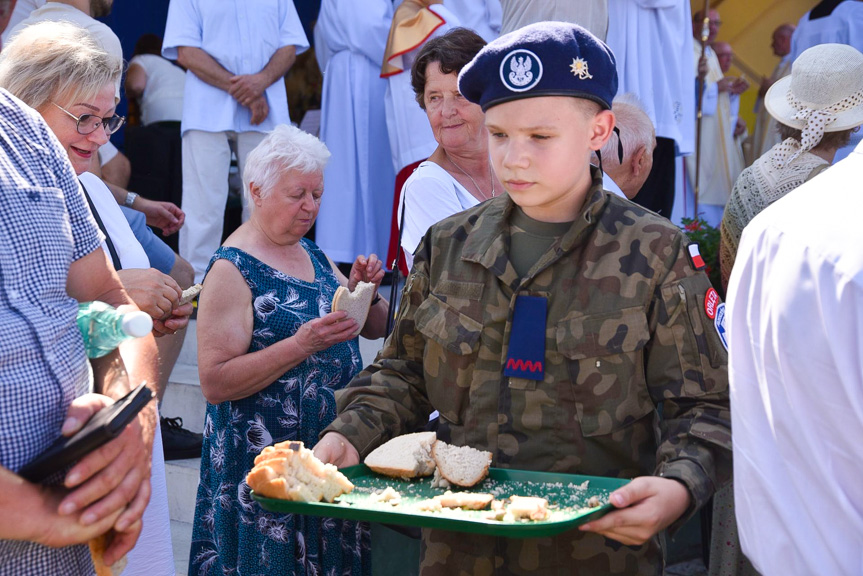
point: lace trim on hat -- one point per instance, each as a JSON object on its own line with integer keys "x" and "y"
{"x": 815, "y": 121}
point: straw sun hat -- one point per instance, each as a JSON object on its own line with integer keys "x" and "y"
{"x": 823, "y": 93}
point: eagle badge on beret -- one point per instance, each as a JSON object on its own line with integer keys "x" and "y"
{"x": 520, "y": 70}
{"x": 579, "y": 69}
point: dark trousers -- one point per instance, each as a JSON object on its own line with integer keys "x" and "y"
{"x": 657, "y": 194}
{"x": 155, "y": 153}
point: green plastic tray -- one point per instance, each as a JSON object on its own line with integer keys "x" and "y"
{"x": 567, "y": 496}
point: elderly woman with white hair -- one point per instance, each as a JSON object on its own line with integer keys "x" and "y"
{"x": 271, "y": 356}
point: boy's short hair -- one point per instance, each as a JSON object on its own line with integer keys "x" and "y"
{"x": 543, "y": 59}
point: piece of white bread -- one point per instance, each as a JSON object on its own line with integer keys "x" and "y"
{"x": 461, "y": 465}
{"x": 530, "y": 507}
{"x": 190, "y": 293}
{"x": 465, "y": 500}
{"x": 290, "y": 471}
{"x": 407, "y": 456}
{"x": 356, "y": 304}
{"x": 98, "y": 546}
{"x": 468, "y": 500}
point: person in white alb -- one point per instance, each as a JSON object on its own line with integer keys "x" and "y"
{"x": 720, "y": 160}
{"x": 415, "y": 22}
{"x": 356, "y": 213}
{"x": 765, "y": 135}
{"x": 795, "y": 324}
{"x": 653, "y": 50}
{"x": 481, "y": 16}
{"x": 590, "y": 14}
{"x": 236, "y": 54}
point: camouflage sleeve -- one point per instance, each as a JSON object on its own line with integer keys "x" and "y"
{"x": 388, "y": 398}
{"x": 687, "y": 374}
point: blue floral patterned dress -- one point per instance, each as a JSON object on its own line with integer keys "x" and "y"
{"x": 232, "y": 534}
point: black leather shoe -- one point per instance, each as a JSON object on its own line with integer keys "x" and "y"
{"x": 177, "y": 442}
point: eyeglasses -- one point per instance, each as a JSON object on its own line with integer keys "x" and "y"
{"x": 89, "y": 123}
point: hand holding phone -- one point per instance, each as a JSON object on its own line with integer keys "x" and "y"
{"x": 104, "y": 426}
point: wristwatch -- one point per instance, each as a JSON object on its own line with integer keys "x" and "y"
{"x": 130, "y": 199}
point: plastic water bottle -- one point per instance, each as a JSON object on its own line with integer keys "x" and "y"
{"x": 104, "y": 328}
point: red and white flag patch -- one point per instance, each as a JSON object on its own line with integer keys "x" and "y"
{"x": 695, "y": 257}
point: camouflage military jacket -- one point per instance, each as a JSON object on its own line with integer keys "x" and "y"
{"x": 635, "y": 380}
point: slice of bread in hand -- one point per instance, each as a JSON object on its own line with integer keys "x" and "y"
{"x": 407, "y": 456}
{"x": 461, "y": 465}
{"x": 290, "y": 471}
{"x": 98, "y": 545}
{"x": 356, "y": 303}
{"x": 190, "y": 293}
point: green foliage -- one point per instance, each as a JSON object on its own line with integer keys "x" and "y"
{"x": 707, "y": 238}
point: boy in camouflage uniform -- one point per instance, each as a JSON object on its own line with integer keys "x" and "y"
{"x": 632, "y": 381}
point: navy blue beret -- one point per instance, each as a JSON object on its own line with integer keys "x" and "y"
{"x": 543, "y": 59}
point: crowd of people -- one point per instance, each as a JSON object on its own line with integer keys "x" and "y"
{"x": 540, "y": 148}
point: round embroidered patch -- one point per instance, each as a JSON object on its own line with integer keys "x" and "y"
{"x": 719, "y": 324}
{"x": 520, "y": 70}
{"x": 711, "y": 301}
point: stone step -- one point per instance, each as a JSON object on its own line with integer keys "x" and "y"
{"x": 183, "y": 397}
{"x": 181, "y": 540}
{"x": 182, "y": 479}
{"x": 189, "y": 352}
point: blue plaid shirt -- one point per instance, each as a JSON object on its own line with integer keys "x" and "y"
{"x": 45, "y": 225}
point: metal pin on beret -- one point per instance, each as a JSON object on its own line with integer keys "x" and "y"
{"x": 543, "y": 59}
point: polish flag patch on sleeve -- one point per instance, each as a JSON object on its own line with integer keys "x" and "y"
{"x": 695, "y": 257}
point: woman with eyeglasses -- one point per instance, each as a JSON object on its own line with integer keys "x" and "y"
{"x": 58, "y": 69}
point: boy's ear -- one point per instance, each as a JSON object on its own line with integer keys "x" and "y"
{"x": 603, "y": 125}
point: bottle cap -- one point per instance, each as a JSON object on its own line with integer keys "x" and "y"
{"x": 137, "y": 324}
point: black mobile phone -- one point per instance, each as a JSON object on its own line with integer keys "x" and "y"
{"x": 105, "y": 425}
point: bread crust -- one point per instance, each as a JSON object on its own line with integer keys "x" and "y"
{"x": 418, "y": 445}
{"x": 98, "y": 545}
{"x": 289, "y": 471}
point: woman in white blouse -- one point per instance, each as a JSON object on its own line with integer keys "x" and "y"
{"x": 458, "y": 174}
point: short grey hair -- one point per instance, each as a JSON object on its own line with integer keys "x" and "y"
{"x": 53, "y": 60}
{"x": 635, "y": 127}
{"x": 285, "y": 148}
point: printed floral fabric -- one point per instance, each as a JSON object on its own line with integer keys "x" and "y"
{"x": 232, "y": 534}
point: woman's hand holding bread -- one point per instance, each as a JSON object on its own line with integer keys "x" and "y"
{"x": 366, "y": 270}
{"x": 321, "y": 333}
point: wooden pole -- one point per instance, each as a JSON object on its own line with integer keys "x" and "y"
{"x": 705, "y": 34}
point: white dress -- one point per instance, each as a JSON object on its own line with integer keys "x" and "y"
{"x": 356, "y": 211}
